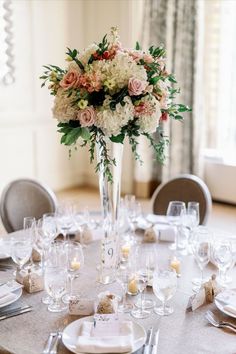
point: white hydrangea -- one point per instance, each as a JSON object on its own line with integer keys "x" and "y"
{"x": 63, "y": 110}
{"x": 86, "y": 54}
{"x": 148, "y": 123}
{"x": 110, "y": 121}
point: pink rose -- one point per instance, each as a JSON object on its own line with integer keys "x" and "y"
{"x": 136, "y": 86}
{"x": 70, "y": 80}
{"x": 86, "y": 116}
{"x": 148, "y": 58}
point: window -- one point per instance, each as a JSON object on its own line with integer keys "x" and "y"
{"x": 220, "y": 78}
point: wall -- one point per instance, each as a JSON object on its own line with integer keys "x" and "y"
{"x": 29, "y": 144}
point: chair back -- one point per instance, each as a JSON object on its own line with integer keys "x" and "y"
{"x": 25, "y": 197}
{"x": 186, "y": 188}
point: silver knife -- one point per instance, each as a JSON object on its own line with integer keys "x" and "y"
{"x": 16, "y": 313}
{"x": 146, "y": 346}
{"x": 154, "y": 342}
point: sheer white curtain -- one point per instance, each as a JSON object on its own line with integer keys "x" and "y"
{"x": 178, "y": 24}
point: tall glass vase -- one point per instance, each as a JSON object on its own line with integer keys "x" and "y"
{"x": 110, "y": 201}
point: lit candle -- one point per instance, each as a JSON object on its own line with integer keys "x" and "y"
{"x": 75, "y": 265}
{"x": 132, "y": 287}
{"x": 175, "y": 265}
{"x": 125, "y": 250}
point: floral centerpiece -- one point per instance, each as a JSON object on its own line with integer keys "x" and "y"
{"x": 105, "y": 94}
{"x": 115, "y": 92}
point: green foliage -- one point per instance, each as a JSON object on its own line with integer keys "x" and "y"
{"x": 137, "y": 46}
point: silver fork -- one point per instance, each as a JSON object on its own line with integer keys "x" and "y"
{"x": 49, "y": 342}
{"x": 219, "y": 324}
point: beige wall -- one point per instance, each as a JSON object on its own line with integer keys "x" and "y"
{"x": 29, "y": 144}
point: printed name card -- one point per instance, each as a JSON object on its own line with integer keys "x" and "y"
{"x": 81, "y": 307}
{"x": 106, "y": 325}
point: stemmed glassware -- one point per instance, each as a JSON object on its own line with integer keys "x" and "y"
{"x": 123, "y": 277}
{"x": 140, "y": 312}
{"x": 74, "y": 264}
{"x": 21, "y": 250}
{"x": 55, "y": 277}
{"x": 164, "y": 287}
{"x": 201, "y": 251}
{"x": 65, "y": 219}
{"x": 29, "y": 224}
{"x": 189, "y": 221}
{"x": 50, "y": 225}
{"x": 174, "y": 212}
{"x": 134, "y": 211}
{"x": 222, "y": 255}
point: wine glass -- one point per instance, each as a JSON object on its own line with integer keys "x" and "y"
{"x": 21, "y": 249}
{"x": 74, "y": 264}
{"x": 164, "y": 287}
{"x": 49, "y": 225}
{"x": 223, "y": 257}
{"x": 201, "y": 251}
{"x": 65, "y": 218}
{"x": 174, "y": 211}
{"x": 123, "y": 276}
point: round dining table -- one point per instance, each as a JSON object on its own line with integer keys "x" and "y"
{"x": 183, "y": 332}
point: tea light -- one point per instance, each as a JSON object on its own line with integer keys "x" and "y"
{"x": 175, "y": 265}
{"x": 75, "y": 265}
{"x": 132, "y": 287}
{"x": 125, "y": 250}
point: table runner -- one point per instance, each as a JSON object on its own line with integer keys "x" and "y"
{"x": 182, "y": 332}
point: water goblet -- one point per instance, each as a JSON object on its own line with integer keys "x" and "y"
{"x": 29, "y": 224}
{"x": 164, "y": 287}
{"x": 55, "y": 278}
{"x": 74, "y": 264}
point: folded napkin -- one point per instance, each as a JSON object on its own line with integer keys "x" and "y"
{"x": 121, "y": 343}
{"x": 157, "y": 219}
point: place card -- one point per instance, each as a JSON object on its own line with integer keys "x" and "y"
{"x": 196, "y": 300}
{"x": 81, "y": 307}
{"x": 33, "y": 282}
{"x": 108, "y": 325}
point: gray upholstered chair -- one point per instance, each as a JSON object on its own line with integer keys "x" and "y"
{"x": 185, "y": 188}
{"x": 25, "y": 197}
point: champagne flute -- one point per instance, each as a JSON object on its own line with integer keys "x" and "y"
{"x": 201, "y": 251}
{"x": 174, "y": 211}
{"x": 140, "y": 312}
{"x": 49, "y": 225}
{"x": 164, "y": 287}
{"x": 74, "y": 263}
{"x": 123, "y": 277}
{"x": 29, "y": 224}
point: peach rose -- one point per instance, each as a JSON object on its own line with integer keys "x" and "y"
{"x": 136, "y": 86}
{"x": 86, "y": 116}
{"x": 70, "y": 80}
{"x": 148, "y": 58}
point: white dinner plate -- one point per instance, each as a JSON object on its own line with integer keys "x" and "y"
{"x": 71, "y": 333}
{"x": 18, "y": 293}
{"x": 4, "y": 256}
{"x": 220, "y": 304}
